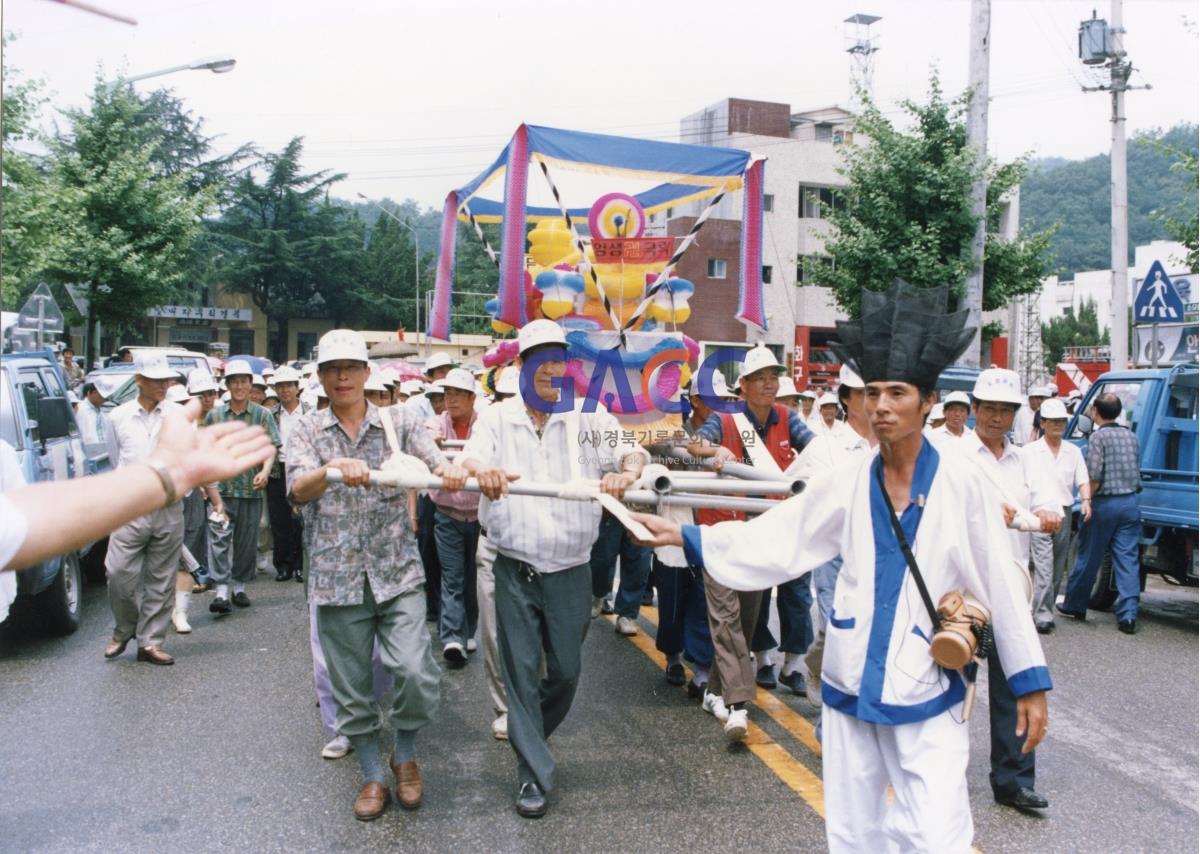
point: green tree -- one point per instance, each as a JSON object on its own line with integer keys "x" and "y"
{"x": 284, "y": 244}
{"x": 126, "y": 219}
{"x": 906, "y": 212}
{"x": 1071, "y": 330}
{"x": 1183, "y": 223}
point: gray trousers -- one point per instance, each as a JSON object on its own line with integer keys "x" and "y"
{"x": 485, "y": 589}
{"x": 348, "y": 634}
{"x": 144, "y": 554}
{"x": 233, "y": 551}
{"x": 1049, "y": 554}
{"x": 195, "y": 526}
{"x": 732, "y": 615}
{"x": 538, "y": 614}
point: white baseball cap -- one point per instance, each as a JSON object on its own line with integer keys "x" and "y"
{"x": 153, "y": 366}
{"x": 510, "y": 380}
{"x": 177, "y": 394}
{"x": 341, "y": 344}
{"x": 1053, "y": 409}
{"x": 847, "y": 377}
{"x": 200, "y": 381}
{"x": 286, "y": 375}
{"x": 411, "y": 387}
{"x": 438, "y": 360}
{"x": 998, "y": 385}
{"x": 238, "y": 368}
{"x": 827, "y": 399}
{"x": 938, "y": 413}
{"x": 787, "y": 388}
{"x": 535, "y": 333}
{"x": 757, "y": 359}
{"x": 459, "y": 378}
{"x": 956, "y": 397}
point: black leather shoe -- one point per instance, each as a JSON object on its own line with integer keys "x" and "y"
{"x": 1075, "y": 615}
{"x": 696, "y": 692}
{"x": 299, "y": 576}
{"x": 1023, "y": 798}
{"x": 531, "y": 801}
{"x": 765, "y": 677}
{"x": 241, "y": 599}
{"x": 1045, "y": 628}
{"x": 675, "y": 674}
{"x": 220, "y": 606}
{"x": 283, "y": 575}
{"x": 1128, "y": 627}
{"x": 795, "y": 681}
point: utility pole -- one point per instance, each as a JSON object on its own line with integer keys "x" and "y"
{"x": 1101, "y": 43}
{"x": 977, "y": 133}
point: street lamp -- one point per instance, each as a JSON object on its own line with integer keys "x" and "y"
{"x": 218, "y": 65}
{"x": 416, "y": 256}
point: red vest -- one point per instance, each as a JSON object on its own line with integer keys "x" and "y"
{"x": 779, "y": 445}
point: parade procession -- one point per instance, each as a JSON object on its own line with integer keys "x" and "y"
{"x": 587, "y": 502}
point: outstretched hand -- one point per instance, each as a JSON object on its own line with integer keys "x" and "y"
{"x": 195, "y": 457}
{"x": 666, "y": 532}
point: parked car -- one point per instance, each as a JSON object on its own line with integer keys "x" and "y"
{"x": 37, "y": 420}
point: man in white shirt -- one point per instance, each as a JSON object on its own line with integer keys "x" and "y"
{"x": 1050, "y": 453}
{"x": 997, "y": 396}
{"x": 955, "y": 409}
{"x": 1023, "y": 423}
{"x": 286, "y": 528}
{"x": 92, "y": 427}
{"x": 436, "y": 368}
{"x": 146, "y": 552}
{"x": 542, "y": 574}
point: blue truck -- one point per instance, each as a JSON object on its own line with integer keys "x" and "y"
{"x": 1160, "y": 407}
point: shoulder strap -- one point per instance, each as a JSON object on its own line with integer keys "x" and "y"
{"x": 908, "y": 555}
{"x": 389, "y": 429}
{"x": 759, "y": 456}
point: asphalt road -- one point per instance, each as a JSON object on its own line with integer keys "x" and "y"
{"x": 222, "y": 750}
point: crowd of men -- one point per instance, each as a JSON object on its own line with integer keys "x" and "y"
{"x": 520, "y": 576}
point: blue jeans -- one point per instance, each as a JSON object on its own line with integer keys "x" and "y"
{"x": 795, "y": 623}
{"x": 682, "y": 613}
{"x": 1116, "y": 526}
{"x": 635, "y": 567}
{"x": 456, "y": 542}
{"x": 824, "y": 580}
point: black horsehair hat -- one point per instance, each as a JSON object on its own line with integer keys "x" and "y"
{"x": 904, "y": 334}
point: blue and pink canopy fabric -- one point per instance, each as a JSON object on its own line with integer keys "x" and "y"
{"x": 687, "y": 173}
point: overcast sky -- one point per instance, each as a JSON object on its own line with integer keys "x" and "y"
{"x": 413, "y": 99}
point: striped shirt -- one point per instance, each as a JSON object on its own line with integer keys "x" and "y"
{"x": 549, "y": 534}
{"x": 1113, "y": 459}
{"x": 242, "y": 486}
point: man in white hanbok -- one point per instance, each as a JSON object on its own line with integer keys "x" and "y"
{"x": 891, "y": 716}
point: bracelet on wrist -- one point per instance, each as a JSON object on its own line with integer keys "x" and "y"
{"x": 164, "y": 478}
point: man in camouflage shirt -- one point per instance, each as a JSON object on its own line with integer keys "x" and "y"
{"x": 365, "y": 575}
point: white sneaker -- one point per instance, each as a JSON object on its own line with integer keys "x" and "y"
{"x": 597, "y": 604}
{"x": 471, "y": 645}
{"x": 812, "y": 687}
{"x": 500, "y": 728}
{"x": 337, "y": 748}
{"x": 737, "y": 725}
{"x": 182, "y": 626}
{"x": 626, "y": 627}
{"x": 715, "y": 706}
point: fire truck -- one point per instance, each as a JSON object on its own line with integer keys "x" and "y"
{"x": 814, "y": 365}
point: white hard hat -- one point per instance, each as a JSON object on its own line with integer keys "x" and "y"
{"x": 956, "y": 397}
{"x": 787, "y": 388}
{"x": 238, "y": 368}
{"x": 341, "y": 344}
{"x": 458, "y": 378}
{"x": 411, "y": 387}
{"x": 1041, "y": 391}
{"x": 1054, "y": 409}
{"x": 847, "y": 377}
{"x": 809, "y": 393}
{"x": 286, "y": 375}
{"x": 938, "y": 413}
{"x": 374, "y": 382}
{"x": 268, "y": 371}
{"x": 998, "y": 385}
{"x": 200, "y": 381}
{"x": 757, "y": 359}
{"x": 153, "y": 366}
{"x": 510, "y": 380}
{"x": 271, "y": 394}
{"x": 535, "y": 333}
{"x": 257, "y": 379}
{"x": 177, "y": 394}
{"x": 438, "y": 360}
{"x": 309, "y": 369}
{"x": 827, "y": 399}
{"x": 390, "y": 377}
{"x": 720, "y": 388}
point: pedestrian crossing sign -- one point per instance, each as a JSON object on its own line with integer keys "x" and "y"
{"x": 1157, "y": 300}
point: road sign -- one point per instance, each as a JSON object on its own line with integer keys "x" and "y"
{"x": 79, "y": 296}
{"x": 41, "y": 314}
{"x": 1157, "y": 300}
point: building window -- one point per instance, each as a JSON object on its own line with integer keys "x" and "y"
{"x": 766, "y": 274}
{"x": 815, "y": 201}
{"x": 768, "y": 202}
{"x": 716, "y": 268}
{"x": 823, "y": 132}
